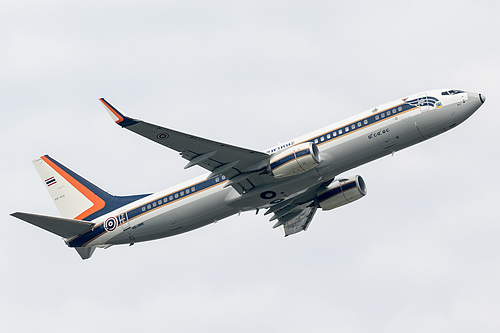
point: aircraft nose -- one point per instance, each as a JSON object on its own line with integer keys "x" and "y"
{"x": 476, "y": 97}
{"x": 482, "y": 98}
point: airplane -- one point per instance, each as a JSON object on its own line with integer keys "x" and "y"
{"x": 292, "y": 180}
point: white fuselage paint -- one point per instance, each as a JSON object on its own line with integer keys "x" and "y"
{"x": 360, "y": 146}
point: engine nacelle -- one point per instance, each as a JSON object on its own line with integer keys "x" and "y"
{"x": 341, "y": 192}
{"x": 295, "y": 160}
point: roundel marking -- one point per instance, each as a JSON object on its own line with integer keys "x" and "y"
{"x": 268, "y": 195}
{"x": 162, "y": 136}
{"x": 110, "y": 224}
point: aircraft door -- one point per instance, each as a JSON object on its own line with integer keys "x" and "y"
{"x": 123, "y": 221}
{"x": 423, "y": 103}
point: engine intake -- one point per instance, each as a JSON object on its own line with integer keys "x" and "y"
{"x": 341, "y": 192}
{"x": 295, "y": 160}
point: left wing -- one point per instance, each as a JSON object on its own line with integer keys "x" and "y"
{"x": 296, "y": 220}
{"x": 296, "y": 214}
{"x": 244, "y": 168}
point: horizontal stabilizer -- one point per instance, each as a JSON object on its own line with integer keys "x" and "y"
{"x": 60, "y": 226}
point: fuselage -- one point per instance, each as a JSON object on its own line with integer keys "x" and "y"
{"x": 344, "y": 145}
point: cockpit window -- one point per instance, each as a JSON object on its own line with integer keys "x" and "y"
{"x": 452, "y": 92}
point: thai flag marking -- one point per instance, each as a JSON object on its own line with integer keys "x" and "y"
{"x": 50, "y": 181}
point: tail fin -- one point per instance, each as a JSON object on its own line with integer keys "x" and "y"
{"x": 75, "y": 197}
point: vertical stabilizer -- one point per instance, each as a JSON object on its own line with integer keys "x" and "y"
{"x": 70, "y": 196}
{"x": 74, "y": 196}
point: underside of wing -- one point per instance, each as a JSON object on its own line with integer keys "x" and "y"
{"x": 244, "y": 168}
{"x": 295, "y": 214}
{"x": 297, "y": 220}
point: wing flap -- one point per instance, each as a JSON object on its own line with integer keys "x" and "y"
{"x": 60, "y": 226}
{"x": 296, "y": 214}
{"x": 299, "y": 222}
{"x": 294, "y": 217}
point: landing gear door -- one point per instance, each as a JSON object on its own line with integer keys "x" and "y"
{"x": 423, "y": 103}
{"x": 123, "y": 220}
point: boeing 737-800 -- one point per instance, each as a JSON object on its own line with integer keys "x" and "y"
{"x": 291, "y": 180}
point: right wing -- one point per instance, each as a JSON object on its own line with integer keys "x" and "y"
{"x": 244, "y": 168}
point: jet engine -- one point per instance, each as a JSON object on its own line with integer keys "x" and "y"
{"x": 294, "y": 160}
{"x": 341, "y": 192}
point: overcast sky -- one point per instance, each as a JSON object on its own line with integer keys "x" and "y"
{"x": 419, "y": 253}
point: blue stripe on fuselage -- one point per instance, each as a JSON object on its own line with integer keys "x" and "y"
{"x": 99, "y": 230}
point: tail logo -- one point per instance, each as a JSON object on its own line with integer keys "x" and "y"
{"x": 110, "y": 224}
{"x": 50, "y": 181}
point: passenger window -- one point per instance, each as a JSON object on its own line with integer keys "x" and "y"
{"x": 359, "y": 124}
{"x": 382, "y": 115}
{"x": 353, "y": 127}
{"x": 149, "y": 206}
{"x": 176, "y": 195}
{"x": 154, "y": 204}
{"x": 347, "y": 129}
{"x": 182, "y": 192}
{"x": 400, "y": 109}
{"x": 365, "y": 122}
{"x": 143, "y": 209}
{"x": 170, "y": 198}
{"x": 187, "y": 191}
{"x": 192, "y": 189}
{"x": 165, "y": 200}
{"x": 322, "y": 139}
{"x": 393, "y": 111}
{"x": 328, "y": 136}
{"x": 340, "y": 132}
{"x": 377, "y": 117}
{"x": 388, "y": 113}
{"x": 316, "y": 141}
{"x": 334, "y": 134}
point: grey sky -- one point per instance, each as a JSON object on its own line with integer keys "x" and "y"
{"x": 419, "y": 253}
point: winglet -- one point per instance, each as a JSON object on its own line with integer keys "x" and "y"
{"x": 117, "y": 116}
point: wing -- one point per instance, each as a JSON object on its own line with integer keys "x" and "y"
{"x": 300, "y": 222}
{"x": 244, "y": 168}
{"x": 296, "y": 214}
{"x": 295, "y": 218}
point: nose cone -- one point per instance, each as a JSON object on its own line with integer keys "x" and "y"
{"x": 476, "y": 98}
{"x": 482, "y": 98}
